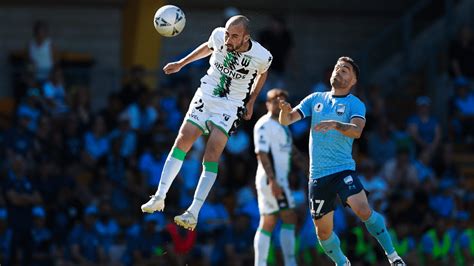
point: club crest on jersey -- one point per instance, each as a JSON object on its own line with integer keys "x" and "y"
{"x": 340, "y": 109}
{"x": 318, "y": 107}
{"x": 348, "y": 180}
{"x": 245, "y": 61}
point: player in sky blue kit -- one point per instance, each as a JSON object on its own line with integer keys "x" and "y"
{"x": 337, "y": 118}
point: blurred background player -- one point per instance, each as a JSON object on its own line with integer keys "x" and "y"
{"x": 238, "y": 69}
{"x": 274, "y": 149}
{"x": 338, "y": 118}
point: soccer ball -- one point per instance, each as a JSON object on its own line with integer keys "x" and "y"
{"x": 169, "y": 20}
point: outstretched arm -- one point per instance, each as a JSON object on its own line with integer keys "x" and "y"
{"x": 288, "y": 115}
{"x": 200, "y": 52}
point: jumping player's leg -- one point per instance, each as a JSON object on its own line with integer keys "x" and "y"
{"x": 214, "y": 148}
{"x": 322, "y": 196}
{"x": 261, "y": 242}
{"x": 188, "y": 134}
{"x": 375, "y": 224}
{"x": 329, "y": 240}
{"x": 287, "y": 236}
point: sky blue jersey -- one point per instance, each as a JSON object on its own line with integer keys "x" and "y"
{"x": 330, "y": 152}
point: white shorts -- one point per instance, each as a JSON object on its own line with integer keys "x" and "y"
{"x": 269, "y": 204}
{"x": 220, "y": 112}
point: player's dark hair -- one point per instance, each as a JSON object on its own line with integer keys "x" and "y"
{"x": 351, "y": 61}
{"x": 38, "y": 25}
{"x": 275, "y": 93}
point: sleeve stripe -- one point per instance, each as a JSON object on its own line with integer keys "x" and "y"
{"x": 301, "y": 113}
{"x": 359, "y": 116}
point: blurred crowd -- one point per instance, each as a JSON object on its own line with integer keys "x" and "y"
{"x": 74, "y": 175}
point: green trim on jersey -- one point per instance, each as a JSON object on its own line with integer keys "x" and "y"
{"x": 288, "y": 226}
{"x": 210, "y": 167}
{"x": 178, "y": 154}
{"x": 222, "y": 88}
{"x": 269, "y": 234}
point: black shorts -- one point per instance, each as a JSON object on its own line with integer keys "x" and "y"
{"x": 323, "y": 191}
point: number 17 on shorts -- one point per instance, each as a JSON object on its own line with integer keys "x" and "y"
{"x": 315, "y": 206}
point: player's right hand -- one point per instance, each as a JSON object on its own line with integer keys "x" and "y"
{"x": 276, "y": 189}
{"x": 172, "y": 67}
{"x": 284, "y": 106}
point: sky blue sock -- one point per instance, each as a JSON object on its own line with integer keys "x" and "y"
{"x": 376, "y": 227}
{"x": 332, "y": 248}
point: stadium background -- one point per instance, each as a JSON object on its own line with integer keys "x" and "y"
{"x": 93, "y": 154}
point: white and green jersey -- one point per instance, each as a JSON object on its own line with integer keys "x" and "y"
{"x": 232, "y": 75}
{"x": 273, "y": 138}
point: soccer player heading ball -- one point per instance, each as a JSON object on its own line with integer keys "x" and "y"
{"x": 337, "y": 118}
{"x": 237, "y": 72}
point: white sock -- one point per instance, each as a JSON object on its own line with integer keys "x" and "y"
{"x": 392, "y": 257}
{"x": 287, "y": 242}
{"x": 170, "y": 171}
{"x": 261, "y": 245}
{"x": 206, "y": 181}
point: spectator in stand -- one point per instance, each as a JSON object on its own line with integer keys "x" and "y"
{"x": 446, "y": 168}
{"x": 381, "y": 143}
{"x": 239, "y": 248}
{"x": 324, "y": 84}
{"x": 279, "y": 41}
{"x": 423, "y": 167}
{"x": 96, "y": 142}
{"x": 423, "y": 127}
{"x": 374, "y": 183}
{"x": 20, "y": 196}
{"x": 142, "y": 114}
{"x": 19, "y": 139}
{"x": 135, "y": 87}
{"x": 6, "y": 234}
{"x": 41, "y": 51}
{"x": 462, "y": 54}
{"x": 86, "y": 248}
{"x": 466, "y": 238}
{"x": 42, "y": 239}
{"x": 438, "y": 243}
{"x": 113, "y": 110}
{"x": 31, "y": 107}
{"x": 81, "y": 106}
{"x": 128, "y": 137}
{"x": 400, "y": 171}
{"x": 462, "y": 111}
{"x": 152, "y": 243}
{"x": 54, "y": 93}
{"x": 151, "y": 163}
{"x": 73, "y": 139}
{"x": 106, "y": 226}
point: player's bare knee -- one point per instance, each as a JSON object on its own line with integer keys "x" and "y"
{"x": 268, "y": 223}
{"x": 323, "y": 233}
{"x": 288, "y": 217}
{"x": 362, "y": 210}
{"x": 212, "y": 154}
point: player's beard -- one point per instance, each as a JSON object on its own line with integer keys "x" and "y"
{"x": 337, "y": 83}
{"x": 235, "y": 48}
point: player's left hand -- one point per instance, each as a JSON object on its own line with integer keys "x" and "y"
{"x": 326, "y": 125}
{"x": 248, "y": 111}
